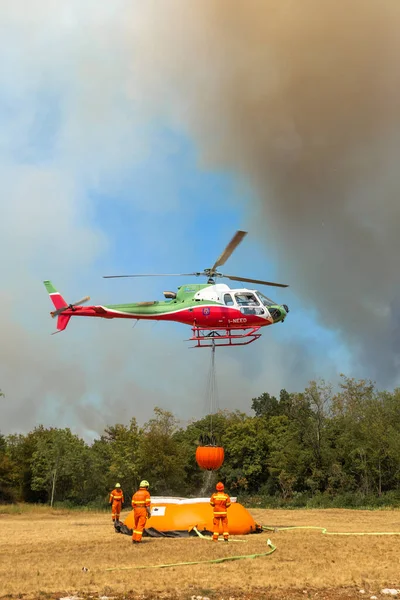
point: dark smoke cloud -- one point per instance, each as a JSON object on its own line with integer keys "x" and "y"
{"x": 301, "y": 100}
{"x": 298, "y": 99}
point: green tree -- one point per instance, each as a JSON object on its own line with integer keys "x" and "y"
{"x": 317, "y": 396}
{"x": 121, "y": 450}
{"x": 246, "y": 451}
{"x": 58, "y": 465}
{"x": 20, "y": 449}
{"x": 351, "y": 409}
{"x": 308, "y": 442}
{"x": 266, "y": 406}
{"x": 286, "y": 460}
{"x": 160, "y": 458}
{"x": 7, "y": 473}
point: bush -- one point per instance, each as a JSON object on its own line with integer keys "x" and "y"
{"x": 7, "y": 495}
{"x": 352, "y": 500}
{"x": 93, "y": 505}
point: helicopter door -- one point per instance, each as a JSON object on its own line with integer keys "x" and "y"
{"x": 248, "y": 304}
{"x": 228, "y": 300}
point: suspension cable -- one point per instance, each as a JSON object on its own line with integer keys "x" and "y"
{"x": 212, "y": 389}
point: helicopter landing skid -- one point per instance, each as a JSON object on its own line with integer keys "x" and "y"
{"x": 206, "y": 338}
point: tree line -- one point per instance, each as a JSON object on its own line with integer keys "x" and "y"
{"x": 313, "y": 445}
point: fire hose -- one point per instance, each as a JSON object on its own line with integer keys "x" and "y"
{"x": 243, "y": 556}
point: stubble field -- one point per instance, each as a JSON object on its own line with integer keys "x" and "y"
{"x": 43, "y": 554}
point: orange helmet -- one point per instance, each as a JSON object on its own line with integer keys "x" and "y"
{"x": 219, "y": 486}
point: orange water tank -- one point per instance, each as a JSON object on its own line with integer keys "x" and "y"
{"x": 181, "y": 514}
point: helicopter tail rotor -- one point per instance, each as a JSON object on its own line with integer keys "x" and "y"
{"x": 57, "y": 312}
{"x": 61, "y": 306}
{"x": 58, "y": 301}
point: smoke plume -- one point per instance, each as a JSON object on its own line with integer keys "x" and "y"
{"x": 301, "y": 100}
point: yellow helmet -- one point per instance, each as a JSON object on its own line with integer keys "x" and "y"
{"x": 117, "y": 485}
{"x": 144, "y": 483}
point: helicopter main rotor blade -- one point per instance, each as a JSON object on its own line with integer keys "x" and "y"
{"x": 154, "y": 275}
{"x": 233, "y": 244}
{"x": 246, "y": 279}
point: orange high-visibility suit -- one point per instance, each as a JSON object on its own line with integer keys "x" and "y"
{"x": 116, "y": 500}
{"x": 220, "y": 503}
{"x": 141, "y": 510}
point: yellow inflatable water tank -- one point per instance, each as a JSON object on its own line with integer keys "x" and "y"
{"x": 182, "y": 514}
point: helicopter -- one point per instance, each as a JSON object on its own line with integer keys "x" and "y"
{"x": 217, "y": 314}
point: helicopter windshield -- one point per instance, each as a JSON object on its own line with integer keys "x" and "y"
{"x": 266, "y": 301}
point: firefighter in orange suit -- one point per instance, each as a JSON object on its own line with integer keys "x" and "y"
{"x": 116, "y": 501}
{"x": 220, "y": 503}
{"x": 141, "y": 510}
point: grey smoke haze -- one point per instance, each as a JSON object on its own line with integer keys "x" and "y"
{"x": 303, "y": 106}
{"x": 302, "y": 101}
{"x": 69, "y": 129}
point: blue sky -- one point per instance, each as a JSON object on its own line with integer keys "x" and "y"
{"x": 94, "y": 184}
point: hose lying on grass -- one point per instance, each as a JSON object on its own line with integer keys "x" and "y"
{"x": 198, "y": 562}
{"x": 270, "y": 544}
{"x": 326, "y": 532}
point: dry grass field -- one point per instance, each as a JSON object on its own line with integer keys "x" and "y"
{"x": 42, "y": 553}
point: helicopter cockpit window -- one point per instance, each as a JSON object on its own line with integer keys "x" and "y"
{"x": 248, "y": 304}
{"x": 266, "y": 301}
{"x": 246, "y": 299}
{"x": 228, "y": 300}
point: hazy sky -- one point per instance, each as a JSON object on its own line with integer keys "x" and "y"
{"x": 138, "y": 137}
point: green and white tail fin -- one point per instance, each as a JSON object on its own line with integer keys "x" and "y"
{"x": 59, "y": 303}
{"x": 56, "y": 298}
